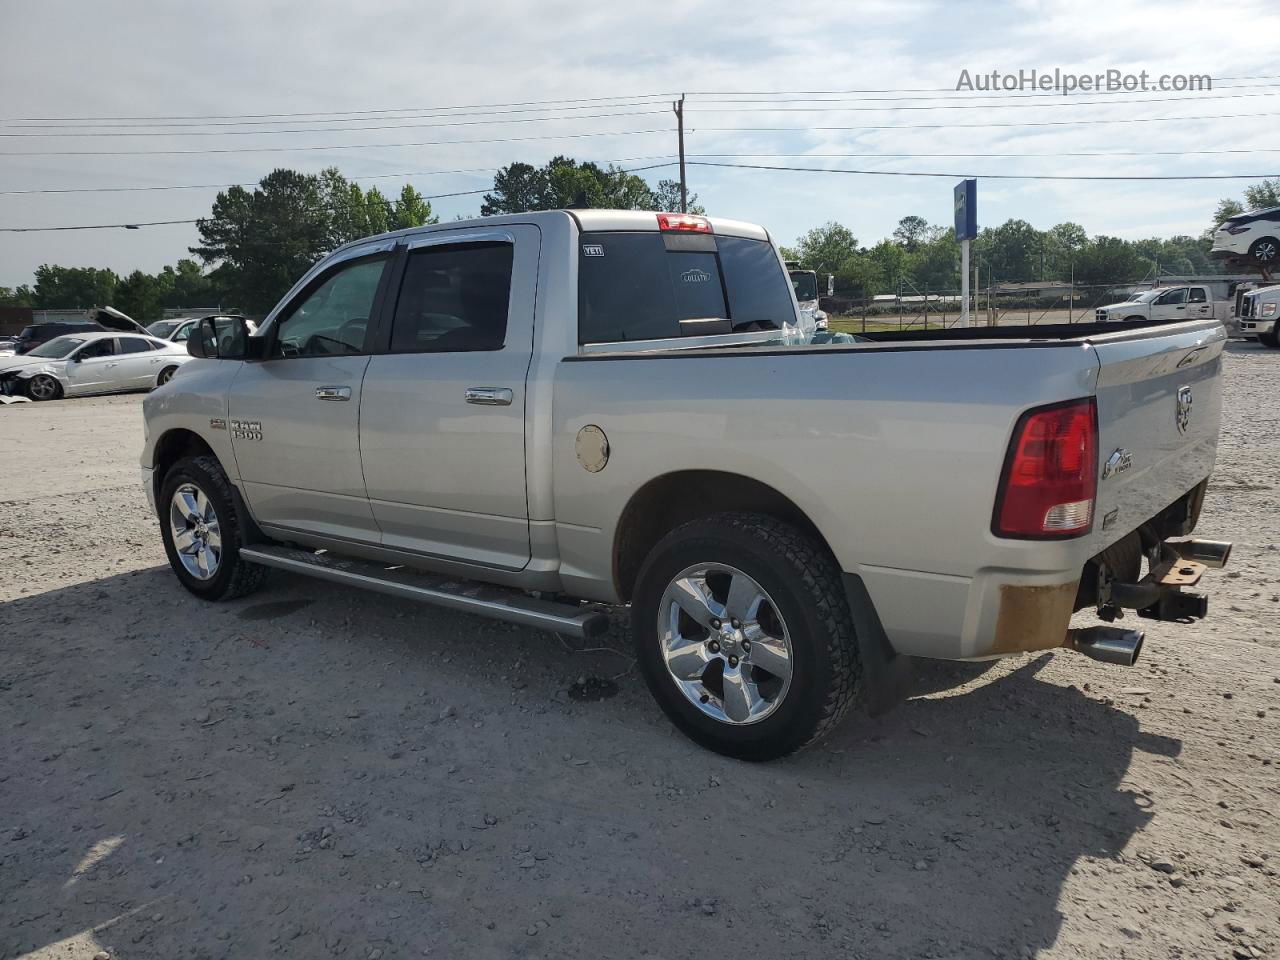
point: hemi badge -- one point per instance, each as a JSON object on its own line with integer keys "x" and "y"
{"x": 217, "y": 423}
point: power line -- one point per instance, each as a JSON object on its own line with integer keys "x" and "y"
{"x": 387, "y": 126}
{"x": 161, "y": 223}
{"x": 982, "y": 176}
{"x": 852, "y": 90}
{"x": 547, "y": 104}
{"x": 965, "y": 106}
{"x": 36, "y": 127}
{"x": 335, "y": 146}
{"x": 254, "y": 183}
{"x": 324, "y": 118}
{"x": 1016, "y": 156}
{"x": 961, "y": 126}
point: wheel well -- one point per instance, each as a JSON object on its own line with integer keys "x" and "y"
{"x": 666, "y": 502}
{"x": 174, "y": 446}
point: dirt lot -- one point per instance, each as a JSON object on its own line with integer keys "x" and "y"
{"x": 317, "y": 771}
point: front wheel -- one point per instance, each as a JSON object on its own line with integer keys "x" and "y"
{"x": 43, "y": 387}
{"x": 201, "y": 531}
{"x": 744, "y": 636}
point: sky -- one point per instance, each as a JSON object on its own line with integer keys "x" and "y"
{"x": 795, "y": 66}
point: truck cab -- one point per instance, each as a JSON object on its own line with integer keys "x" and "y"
{"x": 805, "y": 285}
{"x": 1166, "y": 305}
{"x": 1257, "y": 313}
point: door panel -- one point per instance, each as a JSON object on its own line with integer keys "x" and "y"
{"x": 294, "y": 418}
{"x": 95, "y": 369}
{"x": 135, "y": 368}
{"x": 445, "y": 470}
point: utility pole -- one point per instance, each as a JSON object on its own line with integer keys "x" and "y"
{"x": 678, "y": 107}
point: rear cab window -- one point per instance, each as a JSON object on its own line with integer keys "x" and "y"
{"x": 653, "y": 286}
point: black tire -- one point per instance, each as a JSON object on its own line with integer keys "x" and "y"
{"x": 1269, "y": 340}
{"x": 803, "y": 582}
{"x": 233, "y": 577}
{"x": 1136, "y": 318}
{"x": 43, "y": 387}
{"x": 1265, "y": 251}
{"x": 165, "y": 375}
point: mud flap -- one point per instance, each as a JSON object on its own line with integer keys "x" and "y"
{"x": 886, "y": 675}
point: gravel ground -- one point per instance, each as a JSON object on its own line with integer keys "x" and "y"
{"x": 318, "y": 771}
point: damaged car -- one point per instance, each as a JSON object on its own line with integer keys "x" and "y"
{"x": 81, "y": 364}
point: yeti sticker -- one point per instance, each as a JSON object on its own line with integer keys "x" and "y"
{"x": 696, "y": 275}
{"x": 592, "y": 250}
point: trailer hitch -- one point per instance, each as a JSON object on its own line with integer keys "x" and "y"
{"x": 1163, "y": 593}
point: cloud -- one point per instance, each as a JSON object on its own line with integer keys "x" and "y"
{"x": 236, "y": 57}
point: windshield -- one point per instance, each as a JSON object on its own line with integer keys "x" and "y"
{"x": 162, "y": 328}
{"x": 57, "y": 348}
{"x": 805, "y": 283}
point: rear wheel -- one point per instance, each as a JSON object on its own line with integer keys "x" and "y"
{"x": 1265, "y": 251}
{"x": 44, "y": 387}
{"x": 165, "y": 376}
{"x": 744, "y": 636}
{"x": 201, "y": 531}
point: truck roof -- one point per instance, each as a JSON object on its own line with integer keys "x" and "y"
{"x": 587, "y": 220}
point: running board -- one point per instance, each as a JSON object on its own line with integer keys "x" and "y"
{"x": 468, "y": 596}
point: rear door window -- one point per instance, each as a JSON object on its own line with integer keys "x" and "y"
{"x": 134, "y": 345}
{"x": 453, "y": 299}
{"x": 651, "y": 286}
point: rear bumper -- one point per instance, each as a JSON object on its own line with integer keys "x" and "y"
{"x": 999, "y": 612}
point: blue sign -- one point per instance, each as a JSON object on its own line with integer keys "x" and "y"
{"x": 966, "y": 200}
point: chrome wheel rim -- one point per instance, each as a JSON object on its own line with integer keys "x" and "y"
{"x": 1266, "y": 251}
{"x": 724, "y": 643}
{"x": 43, "y": 387}
{"x": 165, "y": 377}
{"x": 193, "y": 525}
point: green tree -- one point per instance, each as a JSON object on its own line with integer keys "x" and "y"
{"x": 377, "y": 211}
{"x": 263, "y": 241}
{"x": 911, "y": 233}
{"x": 1012, "y": 250}
{"x": 1225, "y": 211}
{"x": 826, "y": 248}
{"x": 1108, "y": 260}
{"x": 73, "y": 287}
{"x": 891, "y": 263}
{"x": 1262, "y": 195}
{"x": 564, "y": 182}
{"x": 411, "y": 210}
{"x": 666, "y": 196}
{"x": 139, "y": 296}
{"x": 21, "y": 296}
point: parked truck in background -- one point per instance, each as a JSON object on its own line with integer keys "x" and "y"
{"x": 539, "y": 416}
{"x": 805, "y": 285}
{"x": 1169, "y": 305}
{"x": 1257, "y": 312}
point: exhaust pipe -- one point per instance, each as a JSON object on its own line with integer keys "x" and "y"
{"x": 1108, "y": 644}
{"x": 1212, "y": 553}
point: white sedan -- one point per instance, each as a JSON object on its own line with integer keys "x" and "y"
{"x": 79, "y": 364}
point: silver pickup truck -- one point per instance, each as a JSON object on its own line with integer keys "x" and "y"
{"x": 537, "y": 417}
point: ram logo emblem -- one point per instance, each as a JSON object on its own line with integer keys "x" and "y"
{"x": 1118, "y": 462}
{"x": 1184, "y": 409}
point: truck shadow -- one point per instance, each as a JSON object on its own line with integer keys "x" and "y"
{"x": 280, "y": 776}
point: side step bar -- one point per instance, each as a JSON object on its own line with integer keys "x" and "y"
{"x": 497, "y": 603}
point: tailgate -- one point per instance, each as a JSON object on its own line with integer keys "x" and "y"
{"x": 1159, "y": 405}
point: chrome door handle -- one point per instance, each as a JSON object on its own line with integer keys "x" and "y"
{"x": 333, "y": 393}
{"x": 489, "y": 396}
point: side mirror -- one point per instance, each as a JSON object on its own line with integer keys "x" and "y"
{"x": 220, "y": 338}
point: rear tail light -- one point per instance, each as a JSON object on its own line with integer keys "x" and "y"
{"x": 683, "y": 223}
{"x": 1050, "y": 474}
